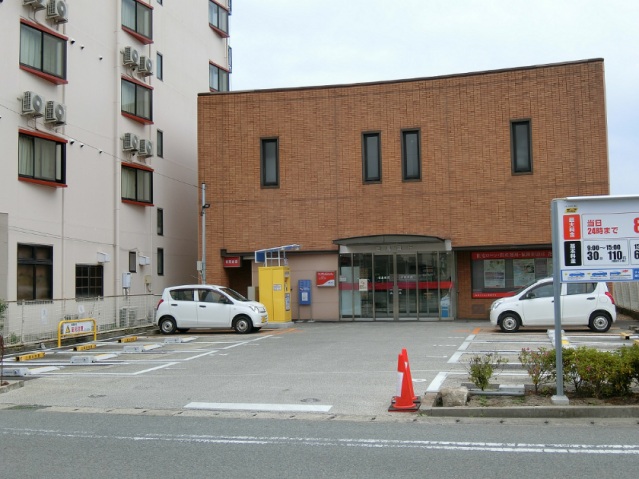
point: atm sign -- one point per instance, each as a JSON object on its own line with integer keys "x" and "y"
{"x": 232, "y": 261}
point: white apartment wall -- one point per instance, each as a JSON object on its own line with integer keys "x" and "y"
{"x": 88, "y": 216}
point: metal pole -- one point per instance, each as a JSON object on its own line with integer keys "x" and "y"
{"x": 203, "y": 215}
{"x": 559, "y": 398}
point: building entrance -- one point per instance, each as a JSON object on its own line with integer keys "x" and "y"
{"x": 394, "y": 285}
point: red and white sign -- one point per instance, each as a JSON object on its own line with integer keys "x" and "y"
{"x": 232, "y": 261}
{"x": 326, "y": 278}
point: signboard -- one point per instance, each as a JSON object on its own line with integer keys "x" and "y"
{"x": 232, "y": 261}
{"x": 304, "y": 291}
{"x": 599, "y": 238}
{"x": 326, "y": 278}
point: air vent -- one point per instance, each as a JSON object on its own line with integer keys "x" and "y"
{"x": 146, "y": 148}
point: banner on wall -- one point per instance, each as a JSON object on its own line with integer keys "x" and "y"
{"x": 326, "y": 279}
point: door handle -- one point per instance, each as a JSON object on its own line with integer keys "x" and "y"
{"x": 202, "y": 305}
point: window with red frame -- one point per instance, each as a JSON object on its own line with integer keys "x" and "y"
{"x": 137, "y": 100}
{"x": 219, "y": 18}
{"x": 137, "y": 184}
{"x": 138, "y": 18}
{"x": 41, "y": 159}
{"x": 43, "y": 51}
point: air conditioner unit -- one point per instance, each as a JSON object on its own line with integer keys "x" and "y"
{"x": 55, "y": 112}
{"x": 57, "y": 11}
{"x": 146, "y": 148}
{"x": 130, "y": 142}
{"x": 130, "y": 56}
{"x": 36, "y": 4}
{"x": 32, "y": 104}
{"x": 145, "y": 66}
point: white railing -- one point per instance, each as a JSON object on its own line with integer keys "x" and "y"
{"x": 627, "y": 295}
{"x": 28, "y": 322}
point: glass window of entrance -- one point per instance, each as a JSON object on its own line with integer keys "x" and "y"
{"x": 371, "y": 157}
{"x": 411, "y": 161}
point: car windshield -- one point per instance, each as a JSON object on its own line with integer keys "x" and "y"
{"x": 233, "y": 294}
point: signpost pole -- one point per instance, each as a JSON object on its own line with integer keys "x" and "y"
{"x": 559, "y": 398}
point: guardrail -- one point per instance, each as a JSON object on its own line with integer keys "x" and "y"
{"x": 73, "y": 328}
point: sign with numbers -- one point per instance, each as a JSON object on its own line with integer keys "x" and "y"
{"x": 599, "y": 238}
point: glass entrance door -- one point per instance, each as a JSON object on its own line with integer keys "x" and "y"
{"x": 405, "y": 286}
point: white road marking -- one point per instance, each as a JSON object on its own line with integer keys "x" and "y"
{"x": 258, "y": 407}
{"x": 436, "y": 383}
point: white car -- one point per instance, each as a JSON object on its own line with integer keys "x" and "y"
{"x": 582, "y": 304}
{"x": 208, "y": 306}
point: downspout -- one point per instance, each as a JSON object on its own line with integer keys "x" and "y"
{"x": 117, "y": 182}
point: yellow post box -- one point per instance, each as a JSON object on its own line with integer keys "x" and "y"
{"x": 275, "y": 292}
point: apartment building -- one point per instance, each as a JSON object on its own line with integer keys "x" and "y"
{"x": 416, "y": 199}
{"x": 99, "y": 180}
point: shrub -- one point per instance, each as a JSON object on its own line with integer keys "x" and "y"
{"x": 481, "y": 368}
{"x": 539, "y": 364}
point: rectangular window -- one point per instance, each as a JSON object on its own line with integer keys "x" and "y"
{"x": 43, "y": 52}
{"x": 89, "y": 281}
{"x": 160, "y": 222}
{"x": 35, "y": 272}
{"x": 159, "y": 144}
{"x": 137, "y": 18}
{"x": 159, "y": 66}
{"x": 521, "y": 149}
{"x": 219, "y": 18}
{"x": 411, "y": 158}
{"x": 270, "y": 162}
{"x": 41, "y": 159}
{"x": 371, "y": 157}
{"x": 133, "y": 262}
{"x": 218, "y": 78}
{"x": 137, "y": 100}
{"x": 160, "y": 262}
{"x": 137, "y": 184}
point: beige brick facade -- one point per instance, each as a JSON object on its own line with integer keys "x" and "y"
{"x": 467, "y": 194}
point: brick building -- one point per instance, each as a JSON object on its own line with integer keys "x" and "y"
{"x": 423, "y": 198}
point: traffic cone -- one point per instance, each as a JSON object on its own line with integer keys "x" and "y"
{"x": 405, "y": 400}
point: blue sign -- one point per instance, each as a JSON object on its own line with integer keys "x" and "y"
{"x": 304, "y": 292}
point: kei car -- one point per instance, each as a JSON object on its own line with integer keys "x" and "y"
{"x": 208, "y": 306}
{"x": 582, "y": 304}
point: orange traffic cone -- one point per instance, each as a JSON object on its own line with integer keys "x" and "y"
{"x": 405, "y": 400}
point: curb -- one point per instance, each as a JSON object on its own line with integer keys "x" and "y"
{"x": 5, "y": 388}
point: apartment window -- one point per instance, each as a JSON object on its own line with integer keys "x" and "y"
{"x": 371, "y": 157}
{"x": 219, "y": 18}
{"x": 43, "y": 52}
{"x": 159, "y": 66}
{"x": 160, "y": 222}
{"x": 35, "y": 272}
{"x": 411, "y": 158}
{"x": 270, "y": 162}
{"x": 160, "y": 262}
{"x": 133, "y": 262}
{"x": 89, "y": 281}
{"x": 521, "y": 149}
{"x": 137, "y": 184}
{"x": 137, "y": 100}
{"x": 218, "y": 78}
{"x": 137, "y": 18}
{"x": 159, "y": 144}
{"x": 41, "y": 159}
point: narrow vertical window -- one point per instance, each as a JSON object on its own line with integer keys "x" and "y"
{"x": 521, "y": 150}
{"x": 159, "y": 66}
{"x": 371, "y": 157}
{"x": 411, "y": 158}
{"x": 270, "y": 163}
{"x": 160, "y": 222}
{"x": 159, "y": 144}
{"x": 133, "y": 262}
{"x": 160, "y": 262}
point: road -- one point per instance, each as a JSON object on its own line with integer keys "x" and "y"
{"x": 41, "y": 443}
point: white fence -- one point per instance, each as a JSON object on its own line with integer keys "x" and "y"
{"x": 627, "y": 296}
{"x": 28, "y": 322}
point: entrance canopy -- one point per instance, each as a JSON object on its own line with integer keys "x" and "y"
{"x": 391, "y": 240}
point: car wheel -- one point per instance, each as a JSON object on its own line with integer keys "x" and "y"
{"x": 167, "y": 325}
{"x": 243, "y": 325}
{"x": 599, "y": 322}
{"x": 509, "y": 322}
{"x": 256, "y": 330}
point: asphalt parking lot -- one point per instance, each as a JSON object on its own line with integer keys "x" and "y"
{"x": 316, "y": 368}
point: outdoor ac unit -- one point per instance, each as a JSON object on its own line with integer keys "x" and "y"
{"x": 145, "y": 66}
{"x": 57, "y": 11}
{"x": 130, "y": 56}
{"x": 130, "y": 142}
{"x": 36, "y": 4}
{"x": 144, "y": 260}
{"x": 146, "y": 148}
{"x": 32, "y": 104}
{"x": 55, "y": 112}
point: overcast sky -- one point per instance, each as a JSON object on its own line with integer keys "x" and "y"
{"x": 287, "y": 43}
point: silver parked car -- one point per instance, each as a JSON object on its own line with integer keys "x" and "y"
{"x": 582, "y": 304}
{"x": 208, "y": 306}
